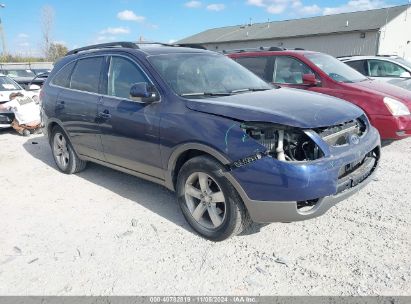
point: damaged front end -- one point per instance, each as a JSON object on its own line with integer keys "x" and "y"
{"x": 305, "y": 171}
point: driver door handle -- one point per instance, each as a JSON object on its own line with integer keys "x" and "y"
{"x": 104, "y": 115}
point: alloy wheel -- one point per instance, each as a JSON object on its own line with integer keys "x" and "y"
{"x": 205, "y": 200}
{"x": 60, "y": 150}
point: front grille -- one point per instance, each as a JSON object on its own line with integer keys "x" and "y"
{"x": 345, "y": 133}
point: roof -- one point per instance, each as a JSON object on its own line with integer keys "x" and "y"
{"x": 356, "y": 21}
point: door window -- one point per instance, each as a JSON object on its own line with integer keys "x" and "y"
{"x": 380, "y": 68}
{"x": 289, "y": 70}
{"x": 123, "y": 74}
{"x": 257, "y": 65}
{"x": 86, "y": 75}
{"x": 359, "y": 65}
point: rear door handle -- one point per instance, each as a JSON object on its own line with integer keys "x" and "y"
{"x": 105, "y": 114}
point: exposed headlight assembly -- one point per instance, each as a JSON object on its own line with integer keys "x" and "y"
{"x": 396, "y": 107}
{"x": 283, "y": 142}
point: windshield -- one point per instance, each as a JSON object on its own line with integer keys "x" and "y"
{"x": 20, "y": 73}
{"x": 336, "y": 69}
{"x": 7, "y": 84}
{"x": 205, "y": 74}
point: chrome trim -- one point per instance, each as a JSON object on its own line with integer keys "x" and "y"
{"x": 348, "y": 130}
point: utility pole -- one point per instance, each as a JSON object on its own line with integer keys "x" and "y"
{"x": 3, "y": 39}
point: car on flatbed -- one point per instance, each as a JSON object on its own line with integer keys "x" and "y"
{"x": 387, "y": 106}
{"x": 234, "y": 148}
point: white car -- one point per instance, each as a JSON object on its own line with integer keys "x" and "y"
{"x": 392, "y": 69}
{"x": 8, "y": 86}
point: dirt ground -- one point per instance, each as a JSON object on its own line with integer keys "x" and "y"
{"x": 102, "y": 232}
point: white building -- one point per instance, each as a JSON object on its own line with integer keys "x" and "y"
{"x": 385, "y": 31}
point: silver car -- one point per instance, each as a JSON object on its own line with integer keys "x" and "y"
{"x": 392, "y": 69}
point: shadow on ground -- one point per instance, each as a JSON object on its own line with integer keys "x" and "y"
{"x": 154, "y": 197}
{"x": 149, "y": 195}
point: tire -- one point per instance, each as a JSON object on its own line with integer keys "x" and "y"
{"x": 66, "y": 159}
{"x": 208, "y": 200}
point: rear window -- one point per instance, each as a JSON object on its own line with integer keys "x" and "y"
{"x": 86, "y": 75}
{"x": 257, "y": 65}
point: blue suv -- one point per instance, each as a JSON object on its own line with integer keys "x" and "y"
{"x": 235, "y": 149}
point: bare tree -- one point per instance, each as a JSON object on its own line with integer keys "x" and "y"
{"x": 47, "y": 22}
{"x": 56, "y": 51}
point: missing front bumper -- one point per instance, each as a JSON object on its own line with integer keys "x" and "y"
{"x": 291, "y": 211}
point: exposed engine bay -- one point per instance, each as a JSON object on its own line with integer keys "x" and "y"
{"x": 293, "y": 144}
{"x": 282, "y": 142}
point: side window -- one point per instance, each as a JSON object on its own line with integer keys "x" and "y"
{"x": 359, "y": 65}
{"x": 62, "y": 78}
{"x": 122, "y": 75}
{"x": 257, "y": 65}
{"x": 380, "y": 68}
{"x": 86, "y": 74}
{"x": 289, "y": 70}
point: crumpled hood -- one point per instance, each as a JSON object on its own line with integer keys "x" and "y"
{"x": 286, "y": 106}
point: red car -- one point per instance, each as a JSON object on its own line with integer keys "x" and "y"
{"x": 388, "y": 107}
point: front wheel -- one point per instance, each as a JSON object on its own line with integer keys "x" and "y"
{"x": 208, "y": 201}
{"x": 66, "y": 159}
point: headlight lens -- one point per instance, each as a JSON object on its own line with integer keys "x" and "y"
{"x": 396, "y": 107}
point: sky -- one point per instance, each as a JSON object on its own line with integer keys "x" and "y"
{"x": 78, "y": 23}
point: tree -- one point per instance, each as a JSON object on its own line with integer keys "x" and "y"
{"x": 47, "y": 22}
{"x": 56, "y": 51}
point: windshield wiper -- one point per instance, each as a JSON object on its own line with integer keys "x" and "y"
{"x": 249, "y": 90}
{"x": 206, "y": 94}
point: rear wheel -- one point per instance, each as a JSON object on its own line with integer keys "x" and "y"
{"x": 66, "y": 159}
{"x": 208, "y": 201}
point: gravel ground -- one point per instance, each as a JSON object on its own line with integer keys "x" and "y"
{"x": 102, "y": 232}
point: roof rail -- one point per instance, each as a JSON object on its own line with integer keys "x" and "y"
{"x": 276, "y": 48}
{"x": 350, "y": 56}
{"x": 191, "y": 45}
{"x": 123, "y": 44}
{"x": 131, "y": 45}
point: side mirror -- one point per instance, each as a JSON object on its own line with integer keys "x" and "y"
{"x": 34, "y": 87}
{"x": 144, "y": 92}
{"x": 405, "y": 75}
{"x": 310, "y": 80}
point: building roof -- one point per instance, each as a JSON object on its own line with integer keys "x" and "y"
{"x": 338, "y": 23}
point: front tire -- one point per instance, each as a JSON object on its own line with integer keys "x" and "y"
{"x": 66, "y": 159}
{"x": 208, "y": 200}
